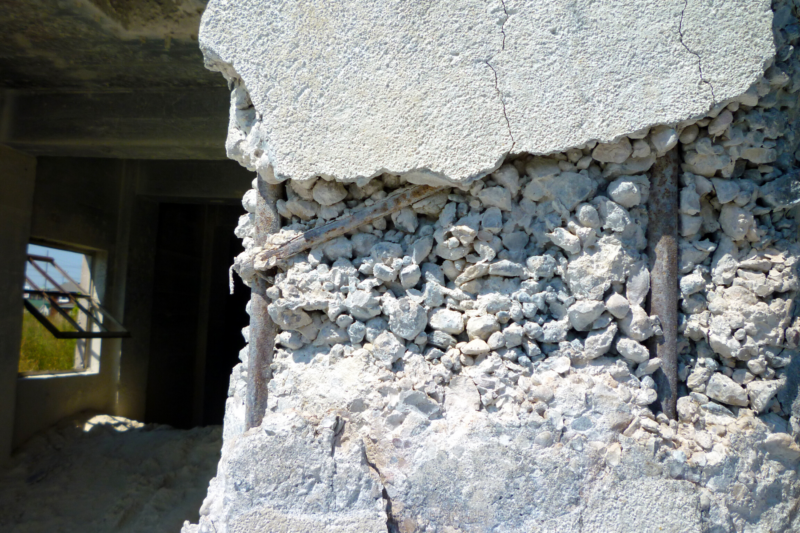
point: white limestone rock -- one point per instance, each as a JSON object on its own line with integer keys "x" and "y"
{"x": 565, "y": 240}
{"x": 727, "y": 391}
{"x": 506, "y": 268}
{"x": 725, "y": 189}
{"x": 591, "y": 274}
{"x": 569, "y": 188}
{"x": 499, "y": 197}
{"x": 387, "y": 348}
{"x": 761, "y": 393}
{"x": 447, "y": 320}
{"x": 410, "y": 276}
{"x": 663, "y": 138}
{"x": 328, "y": 192}
{"x": 407, "y": 318}
{"x": 632, "y": 350}
{"x": 616, "y": 152}
{"x": 735, "y": 221}
{"x": 618, "y": 305}
{"x": 405, "y": 220}
{"x": 584, "y": 312}
{"x": 629, "y": 191}
{"x": 480, "y": 327}
{"x": 587, "y": 216}
{"x": 507, "y": 176}
{"x": 598, "y": 342}
{"x": 638, "y": 286}
{"x": 475, "y": 347}
{"x": 637, "y": 325}
{"x": 541, "y": 266}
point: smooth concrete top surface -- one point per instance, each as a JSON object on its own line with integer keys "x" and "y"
{"x": 446, "y": 89}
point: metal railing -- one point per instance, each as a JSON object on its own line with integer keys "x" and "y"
{"x": 96, "y": 315}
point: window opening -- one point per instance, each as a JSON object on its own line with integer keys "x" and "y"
{"x": 61, "y": 316}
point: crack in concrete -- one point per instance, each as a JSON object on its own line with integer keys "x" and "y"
{"x": 503, "y": 103}
{"x": 497, "y": 81}
{"x": 503, "y": 25}
{"x": 699, "y": 59}
{"x": 338, "y": 431}
{"x": 391, "y": 522}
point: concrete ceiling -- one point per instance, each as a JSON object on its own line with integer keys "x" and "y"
{"x": 101, "y": 44}
{"x": 109, "y": 78}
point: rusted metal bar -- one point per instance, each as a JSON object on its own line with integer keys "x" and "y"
{"x": 51, "y": 299}
{"x": 262, "y": 329}
{"x": 32, "y": 259}
{"x": 394, "y": 202}
{"x": 662, "y": 252}
{"x": 52, "y": 261}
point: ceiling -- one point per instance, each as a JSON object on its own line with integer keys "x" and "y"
{"x": 109, "y": 78}
{"x": 101, "y": 44}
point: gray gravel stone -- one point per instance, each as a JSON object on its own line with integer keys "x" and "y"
{"x": 447, "y": 320}
{"x": 387, "y": 348}
{"x": 723, "y": 389}
{"x": 482, "y": 326}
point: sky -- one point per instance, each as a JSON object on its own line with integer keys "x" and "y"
{"x": 69, "y": 261}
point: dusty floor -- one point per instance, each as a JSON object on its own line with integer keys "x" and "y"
{"x": 108, "y": 474}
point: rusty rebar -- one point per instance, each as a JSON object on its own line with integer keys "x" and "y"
{"x": 262, "y": 329}
{"x": 662, "y": 252}
{"x": 366, "y": 215}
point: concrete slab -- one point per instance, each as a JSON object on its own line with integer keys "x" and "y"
{"x": 442, "y": 91}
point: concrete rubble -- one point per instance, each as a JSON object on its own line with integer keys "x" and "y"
{"x": 478, "y": 361}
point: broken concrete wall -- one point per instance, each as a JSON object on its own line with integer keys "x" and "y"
{"x": 476, "y": 361}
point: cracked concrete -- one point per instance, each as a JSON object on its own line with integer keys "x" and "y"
{"x": 351, "y": 92}
{"x": 699, "y": 59}
{"x": 502, "y": 102}
{"x": 391, "y": 522}
{"x": 496, "y": 82}
{"x": 509, "y": 426}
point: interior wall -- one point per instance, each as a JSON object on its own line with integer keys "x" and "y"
{"x": 111, "y": 208}
{"x": 80, "y": 203}
{"x": 131, "y": 390}
{"x": 17, "y": 178}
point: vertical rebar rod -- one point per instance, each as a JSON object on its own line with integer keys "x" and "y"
{"x": 662, "y": 252}
{"x": 262, "y": 329}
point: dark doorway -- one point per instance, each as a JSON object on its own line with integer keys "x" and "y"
{"x": 196, "y": 324}
{"x": 226, "y": 320}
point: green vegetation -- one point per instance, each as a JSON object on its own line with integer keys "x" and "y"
{"x": 40, "y": 350}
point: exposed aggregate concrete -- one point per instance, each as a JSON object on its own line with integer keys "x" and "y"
{"x": 476, "y": 362}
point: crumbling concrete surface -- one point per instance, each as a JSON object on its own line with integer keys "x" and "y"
{"x": 476, "y": 361}
{"x": 445, "y": 90}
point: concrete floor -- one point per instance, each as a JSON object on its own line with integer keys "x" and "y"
{"x": 101, "y": 473}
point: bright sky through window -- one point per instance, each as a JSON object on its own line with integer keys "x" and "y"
{"x": 71, "y": 262}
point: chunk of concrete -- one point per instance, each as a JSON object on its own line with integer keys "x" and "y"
{"x": 526, "y": 74}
